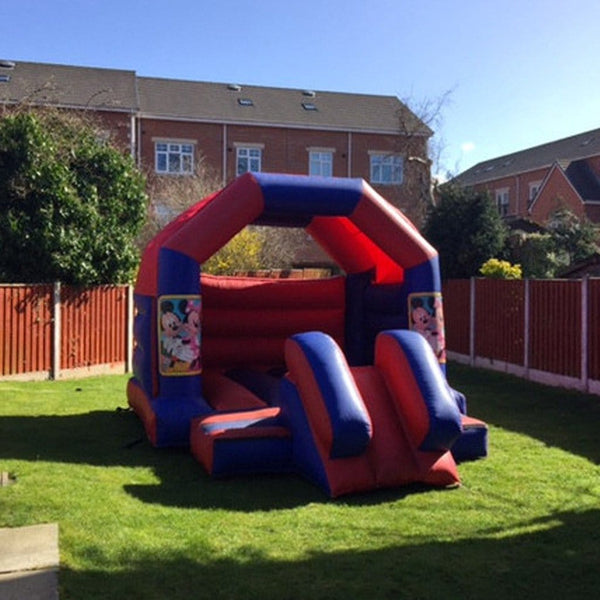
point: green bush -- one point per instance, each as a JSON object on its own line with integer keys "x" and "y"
{"x": 241, "y": 253}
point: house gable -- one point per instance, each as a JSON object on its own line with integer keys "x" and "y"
{"x": 556, "y": 192}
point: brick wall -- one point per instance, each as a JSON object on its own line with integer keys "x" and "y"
{"x": 286, "y": 150}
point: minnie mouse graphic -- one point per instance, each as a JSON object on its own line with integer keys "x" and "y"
{"x": 191, "y": 325}
{"x": 427, "y": 318}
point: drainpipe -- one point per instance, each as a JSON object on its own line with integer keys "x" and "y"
{"x": 224, "y": 160}
{"x": 349, "y": 161}
{"x": 139, "y": 141}
{"x": 132, "y": 136}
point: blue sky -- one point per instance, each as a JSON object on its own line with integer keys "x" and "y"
{"x": 515, "y": 73}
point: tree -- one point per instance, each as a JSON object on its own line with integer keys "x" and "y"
{"x": 71, "y": 204}
{"x": 170, "y": 195}
{"x": 466, "y": 229}
{"x": 421, "y": 148}
{"x": 574, "y": 237}
{"x": 535, "y": 251}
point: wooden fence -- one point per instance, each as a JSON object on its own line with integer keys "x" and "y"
{"x": 545, "y": 330}
{"x": 58, "y": 331}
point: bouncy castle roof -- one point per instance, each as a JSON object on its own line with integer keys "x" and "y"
{"x": 356, "y": 226}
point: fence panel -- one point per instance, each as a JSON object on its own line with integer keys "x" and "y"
{"x": 26, "y": 326}
{"x": 93, "y": 326}
{"x": 499, "y": 318}
{"x": 555, "y": 327}
{"x": 594, "y": 329}
{"x": 457, "y": 307}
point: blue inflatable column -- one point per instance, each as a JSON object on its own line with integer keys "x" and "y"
{"x": 422, "y": 293}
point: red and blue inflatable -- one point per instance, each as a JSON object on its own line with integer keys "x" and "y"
{"x": 339, "y": 379}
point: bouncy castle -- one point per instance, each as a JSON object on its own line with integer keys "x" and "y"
{"x": 341, "y": 379}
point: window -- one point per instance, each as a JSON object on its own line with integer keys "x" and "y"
{"x": 248, "y": 159}
{"x": 502, "y": 201}
{"x": 386, "y": 169}
{"x": 174, "y": 158}
{"x": 320, "y": 162}
{"x": 534, "y": 188}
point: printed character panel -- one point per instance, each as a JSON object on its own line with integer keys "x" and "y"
{"x": 427, "y": 317}
{"x": 179, "y": 335}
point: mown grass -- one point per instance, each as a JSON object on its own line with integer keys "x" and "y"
{"x": 136, "y": 522}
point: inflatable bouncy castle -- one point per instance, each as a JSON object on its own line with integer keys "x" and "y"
{"x": 341, "y": 380}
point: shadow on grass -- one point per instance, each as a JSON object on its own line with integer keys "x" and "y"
{"x": 552, "y": 557}
{"x": 113, "y": 438}
{"x": 117, "y": 438}
{"x": 558, "y": 417}
{"x": 101, "y": 438}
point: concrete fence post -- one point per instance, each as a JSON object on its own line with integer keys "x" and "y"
{"x": 526, "y": 327}
{"x": 56, "y": 327}
{"x": 130, "y": 315}
{"x": 585, "y": 288}
{"x": 472, "y": 322}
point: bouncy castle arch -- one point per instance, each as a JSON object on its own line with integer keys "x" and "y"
{"x": 347, "y": 217}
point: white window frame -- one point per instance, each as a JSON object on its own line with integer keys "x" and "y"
{"x": 534, "y": 190}
{"x": 320, "y": 162}
{"x": 253, "y": 154}
{"x": 503, "y": 201}
{"x": 174, "y": 157}
{"x": 386, "y": 168}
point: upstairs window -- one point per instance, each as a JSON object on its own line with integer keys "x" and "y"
{"x": 534, "y": 188}
{"x": 320, "y": 162}
{"x": 174, "y": 158}
{"x": 248, "y": 159}
{"x": 386, "y": 169}
{"x": 502, "y": 201}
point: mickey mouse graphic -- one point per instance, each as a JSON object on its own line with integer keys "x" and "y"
{"x": 176, "y": 353}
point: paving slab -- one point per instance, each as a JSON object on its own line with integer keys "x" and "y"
{"x": 29, "y": 561}
{"x": 30, "y": 585}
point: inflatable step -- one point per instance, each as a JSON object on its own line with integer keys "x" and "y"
{"x": 473, "y": 442}
{"x": 245, "y": 442}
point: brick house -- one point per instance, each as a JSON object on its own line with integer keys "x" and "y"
{"x": 169, "y": 125}
{"x": 533, "y": 183}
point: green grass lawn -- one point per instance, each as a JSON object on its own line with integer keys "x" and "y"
{"x": 136, "y": 522}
